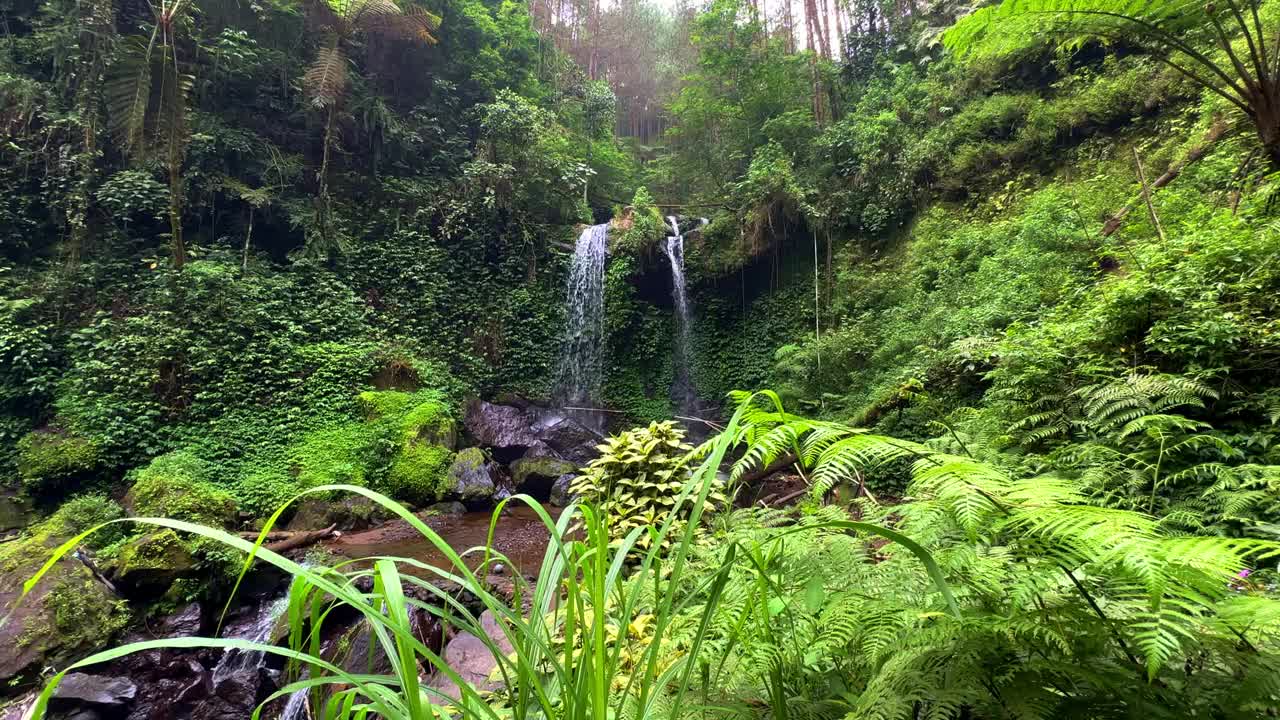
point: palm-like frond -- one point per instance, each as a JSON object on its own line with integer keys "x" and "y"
{"x": 326, "y": 80}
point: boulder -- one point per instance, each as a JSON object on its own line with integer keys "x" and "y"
{"x": 452, "y": 507}
{"x": 471, "y": 477}
{"x": 147, "y": 567}
{"x": 506, "y": 430}
{"x": 68, "y": 614}
{"x": 471, "y": 659}
{"x": 572, "y": 440}
{"x": 95, "y": 689}
{"x": 560, "y": 494}
{"x": 183, "y": 623}
{"x": 354, "y": 512}
{"x": 535, "y": 475}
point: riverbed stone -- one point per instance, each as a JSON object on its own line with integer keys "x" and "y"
{"x": 473, "y": 661}
{"x": 572, "y": 440}
{"x": 535, "y": 475}
{"x": 471, "y": 477}
{"x": 95, "y": 689}
{"x": 560, "y": 494}
{"x": 451, "y": 507}
{"x": 348, "y": 514}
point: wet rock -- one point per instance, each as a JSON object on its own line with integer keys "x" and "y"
{"x": 505, "y": 429}
{"x": 452, "y": 507}
{"x": 183, "y": 623}
{"x": 560, "y": 495}
{"x": 572, "y": 440}
{"x": 535, "y": 475}
{"x": 147, "y": 567}
{"x": 471, "y": 659}
{"x": 96, "y": 689}
{"x": 349, "y": 513}
{"x": 471, "y": 477}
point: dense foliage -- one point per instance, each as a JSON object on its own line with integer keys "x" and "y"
{"x": 1017, "y": 267}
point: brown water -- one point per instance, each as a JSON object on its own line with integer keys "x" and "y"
{"x": 520, "y": 535}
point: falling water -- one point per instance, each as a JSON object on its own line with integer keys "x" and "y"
{"x": 582, "y": 356}
{"x": 296, "y": 707}
{"x": 238, "y": 661}
{"x": 682, "y": 392}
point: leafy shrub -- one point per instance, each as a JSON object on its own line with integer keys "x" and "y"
{"x": 637, "y": 228}
{"x": 48, "y": 459}
{"x": 177, "y": 485}
{"x": 261, "y": 491}
{"x": 638, "y": 477}
{"x": 85, "y": 511}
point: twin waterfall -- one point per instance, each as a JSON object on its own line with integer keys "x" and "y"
{"x": 581, "y": 373}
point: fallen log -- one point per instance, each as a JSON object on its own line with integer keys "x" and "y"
{"x": 282, "y": 540}
{"x": 1216, "y": 133}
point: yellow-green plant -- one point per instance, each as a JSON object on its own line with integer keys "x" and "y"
{"x": 637, "y": 479}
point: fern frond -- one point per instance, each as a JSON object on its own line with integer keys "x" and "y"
{"x": 325, "y": 81}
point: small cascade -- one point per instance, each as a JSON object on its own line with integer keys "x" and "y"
{"x": 234, "y": 662}
{"x": 682, "y": 391}
{"x": 296, "y": 707}
{"x": 582, "y": 355}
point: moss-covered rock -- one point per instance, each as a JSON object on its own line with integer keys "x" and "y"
{"x": 148, "y": 566}
{"x": 349, "y": 513}
{"x": 177, "y": 485}
{"x": 48, "y": 459}
{"x": 419, "y": 473}
{"x": 471, "y": 477}
{"x": 66, "y": 615}
{"x": 15, "y": 510}
{"x": 535, "y": 475}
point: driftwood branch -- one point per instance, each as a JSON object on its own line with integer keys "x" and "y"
{"x": 282, "y": 540}
{"x": 1216, "y": 133}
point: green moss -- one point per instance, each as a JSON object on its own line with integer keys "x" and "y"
{"x": 83, "y": 614}
{"x": 48, "y": 459}
{"x": 415, "y": 416}
{"x": 420, "y": 473}
{"x": 341, "y": 454}
{"x": 177, "y": 486}
{"x": 162, "y": 550}
{"x": 545, "y": 467}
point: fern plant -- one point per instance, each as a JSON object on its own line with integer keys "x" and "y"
{"x": 1068, "y": 608}
{"x": 1244, "y": 71}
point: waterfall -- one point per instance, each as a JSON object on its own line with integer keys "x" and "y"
{"x": 682, "y": 391}
{"x": 296, "y": 707}
{"x": 239, "y": 661}
{"x": 582, "y": 355}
